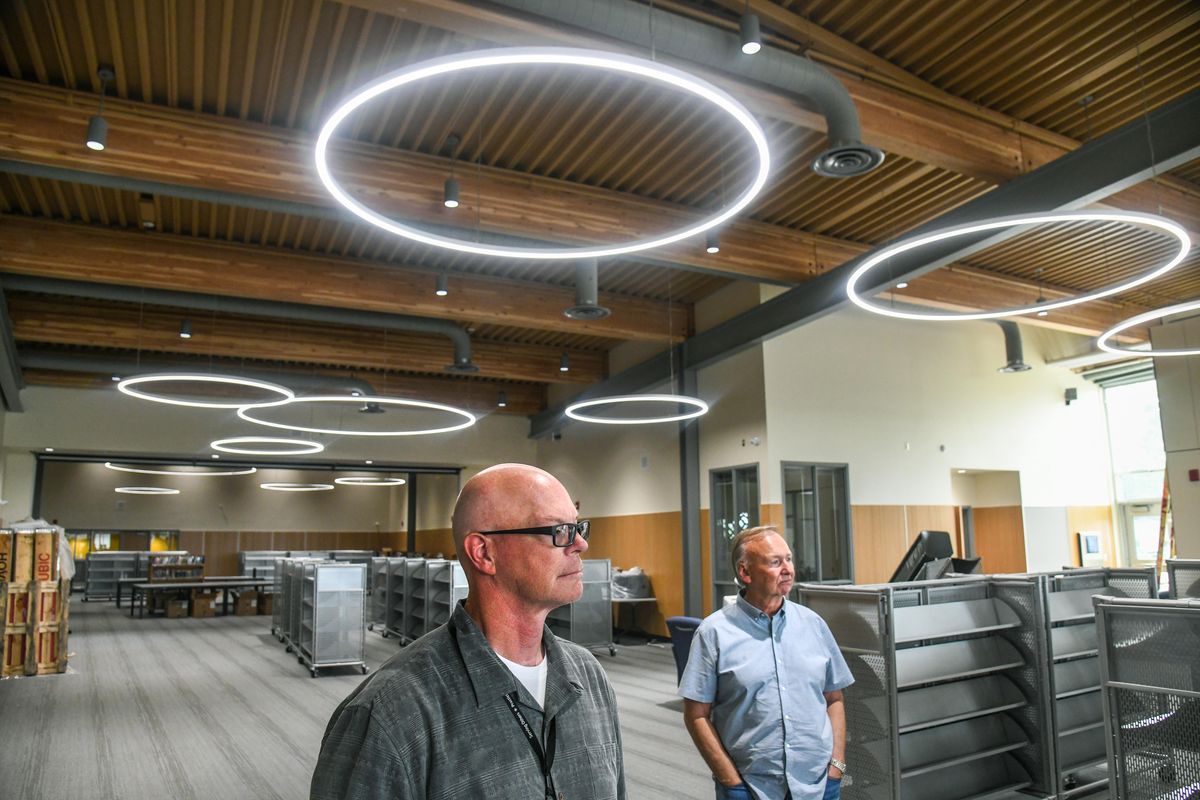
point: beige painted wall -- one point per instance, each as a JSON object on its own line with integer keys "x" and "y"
{"x": 1179, "y": 404}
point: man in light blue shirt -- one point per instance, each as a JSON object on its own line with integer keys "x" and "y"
{"x": 763, "y": 685}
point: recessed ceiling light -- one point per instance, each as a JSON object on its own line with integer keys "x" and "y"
{"x": 962, "y": 472}
{"x": 49, "y": 449}
{"x": 532, "y": 56}
{"x": 902, "y": 285}
{"x": 368, "y": 461}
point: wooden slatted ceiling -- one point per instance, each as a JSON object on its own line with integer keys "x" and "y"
{"x": 1035, "y": 60}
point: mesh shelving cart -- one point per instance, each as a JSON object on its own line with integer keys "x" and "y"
{"x": 103, "y": 571}
{"x": 259, "y": 563}
{"x": 588, "y": 621}
{"x": 278, "y": 571}
{"x": 1150, "y": 678}
{"x": 446, "y": 585}
{"x": 332, "y": 616}
{"x": 413, "y": 617}
{"x": 947, "y": 702}
{"x": 1183, "y": 576}
{"x": 379, "y": 596}
{"x": 397, "y": 571}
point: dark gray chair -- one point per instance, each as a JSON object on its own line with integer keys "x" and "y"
{"x": 682, "y": 630}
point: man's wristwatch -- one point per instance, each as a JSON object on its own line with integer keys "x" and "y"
{"x": 841, "y": 765}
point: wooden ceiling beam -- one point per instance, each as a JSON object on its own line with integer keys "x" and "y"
{"x": 41, "y": 320}
{"x": 44, "y": 125}
{"x": 183, "y": 263}
{"x": 522, "y": 399}
{"x": 897, "y": 111}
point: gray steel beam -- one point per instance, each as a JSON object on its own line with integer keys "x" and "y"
{"x": 11, "y": 383}
{"x": 689, "y": 501}
{"x": 1166, "y": 138}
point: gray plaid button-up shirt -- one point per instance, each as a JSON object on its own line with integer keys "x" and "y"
{"x": 432, "y": 722}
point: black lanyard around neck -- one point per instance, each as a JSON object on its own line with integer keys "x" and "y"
{"x": 545, "y": 757}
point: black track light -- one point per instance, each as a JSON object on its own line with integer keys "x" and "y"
{"x": 751, "y": 37}
{"x": 185, "y": 329}
{"x": 712, "y": 242}
{"x": 502, "y": 402}
{"x": 443, "y": 285}
{"x": 97, "y": 132}
{"x": 564, "y": 363}
{"x": 450, "y": 193}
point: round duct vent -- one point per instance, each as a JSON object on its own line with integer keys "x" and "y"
{"x": 587, "y": 312}
{"x": 462, "y": 369}
{"x": 847, "y": 161}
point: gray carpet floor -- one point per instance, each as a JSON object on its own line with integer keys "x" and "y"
{"x": 215, "y": 709}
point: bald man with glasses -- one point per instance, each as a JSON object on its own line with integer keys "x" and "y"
{"x": 492, "y": 704}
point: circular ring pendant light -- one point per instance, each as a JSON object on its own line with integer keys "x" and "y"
{"x": 297, "y": 487}
{"x": 998, "y": 223}
{"x": 184, "y": 471}
{"x": 1104, "y": 343}
{"x": 129, "y": 387}
{"x": 269, "y": 446}
{"x": 369, "y": 481}
{"x": 698, "y": 408}
{"x": 155, "y": 490}
{"x": 468, "y": 418}
{"x": 534, "y": 56}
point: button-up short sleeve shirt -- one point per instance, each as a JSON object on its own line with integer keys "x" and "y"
{"x": 766, "y": 678}
{"x": 433, "y": 723}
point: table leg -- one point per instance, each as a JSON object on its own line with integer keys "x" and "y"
{"x": 119, "y": 594}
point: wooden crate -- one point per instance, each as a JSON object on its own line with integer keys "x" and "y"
{"x": 6, "y": 553}
{"x": 47, "y": 650}
{"x": 15, "y": 648}
{"x": 47, "y": 602}
{"x": 16, "y": 605}
{"x": 45, "y": 556}
{"x": 22, "y": 559}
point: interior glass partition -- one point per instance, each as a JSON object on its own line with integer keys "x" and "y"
{"x": 816, "y": 510}
{"x": 734, "y": 500}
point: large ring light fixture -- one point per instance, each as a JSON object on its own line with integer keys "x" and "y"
{"x": 297, "y": 487}
{"x": 365, "y": 480}
{"x": 883, "y": 255}
{"x": 145, "y": 490}
{"x": 594, "y": 59}
{"x": 698, "y": 408}
{"x": 185, "y": 471}
{"x": 240, "y": 445}
{"x": 128, "y": 385}
{"x": 1141, "y": 319}
{"x": 468, "y": 417}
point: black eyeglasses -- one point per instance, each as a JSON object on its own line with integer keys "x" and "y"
{"x": 562, "y": 535}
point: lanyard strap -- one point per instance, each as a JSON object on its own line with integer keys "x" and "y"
{"x": 545, "y": 757}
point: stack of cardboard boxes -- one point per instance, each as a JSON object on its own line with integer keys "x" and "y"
{"x": 35, "y": 603}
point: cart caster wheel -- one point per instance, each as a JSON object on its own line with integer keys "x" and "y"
{"x": 364, "y": 670}
{"x": 612, "y": 651}
{"x": 289, "y": 649}
{"x": 314, "y": 672}
{"x": 384, "y": 634}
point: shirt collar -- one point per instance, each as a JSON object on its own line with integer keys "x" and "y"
{"x": 491, "y": 680}
{"x": 755, "y": 613}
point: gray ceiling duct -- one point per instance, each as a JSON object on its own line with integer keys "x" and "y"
{"x": 587, "y": 293}
{"x": 262, "y": 308}
{"x": 1014, "y": 352}
{"x": 721, "y": 50}
{"x": 44, "y": 358}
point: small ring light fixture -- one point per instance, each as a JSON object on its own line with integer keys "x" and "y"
{"x": 129, "y": 387}
{"x": 513, "y": 56}
{"x": 468, "y": 417}
{"x": 185, "y": 470}
{"x": 156, "y": 490}
{"x": 297, "y": 487}
{"x": 365, "y": 480}
{"x": 268, "y": 446}
{"x": 1104, "y": 341}
{"x": 698, "y": 408}
{"x": 904, "y": 246}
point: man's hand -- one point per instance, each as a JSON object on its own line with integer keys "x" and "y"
{"x": 834, "y": 772}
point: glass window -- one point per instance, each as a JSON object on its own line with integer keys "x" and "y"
{"x": 816, "y": 510}
{"x": 734, "y": 500}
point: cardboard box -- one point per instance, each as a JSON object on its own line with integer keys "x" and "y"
{"x": 246, "y": 604}
{"x": 16, "y": 605}
{"x": 22, "y": 560}
{"x": 6, "y": 552}
{"x": 47, "y": 603}
{"x": 15, "y": 647}
{"x": 176, "y": 609}
{"x": 266, "y": 603}
{"x": 45, "y": 556}
{"x": 202, "y": 605}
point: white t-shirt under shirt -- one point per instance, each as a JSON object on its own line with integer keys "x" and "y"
{"x": 532, "y": 678}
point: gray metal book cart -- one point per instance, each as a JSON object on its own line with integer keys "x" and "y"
{"x": 379, "y": 599}
{"x": 588, "y": 621}
{"x": 446, "y": 585}
{"x": 947, "y": 702}
{"x": 259, "y": 563}
{"x": 397, "y": 570}
{"x": 1183, "y": 576}
{"x": 104, "y": 569}
{"x": 1150, "y": 677}
{"x": 413, "y": 616}
{"x": 332, "y": 618}
{"x": 277, "y": 606}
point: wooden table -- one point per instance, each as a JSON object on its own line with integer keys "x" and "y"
{"x": 138, "y": 592}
